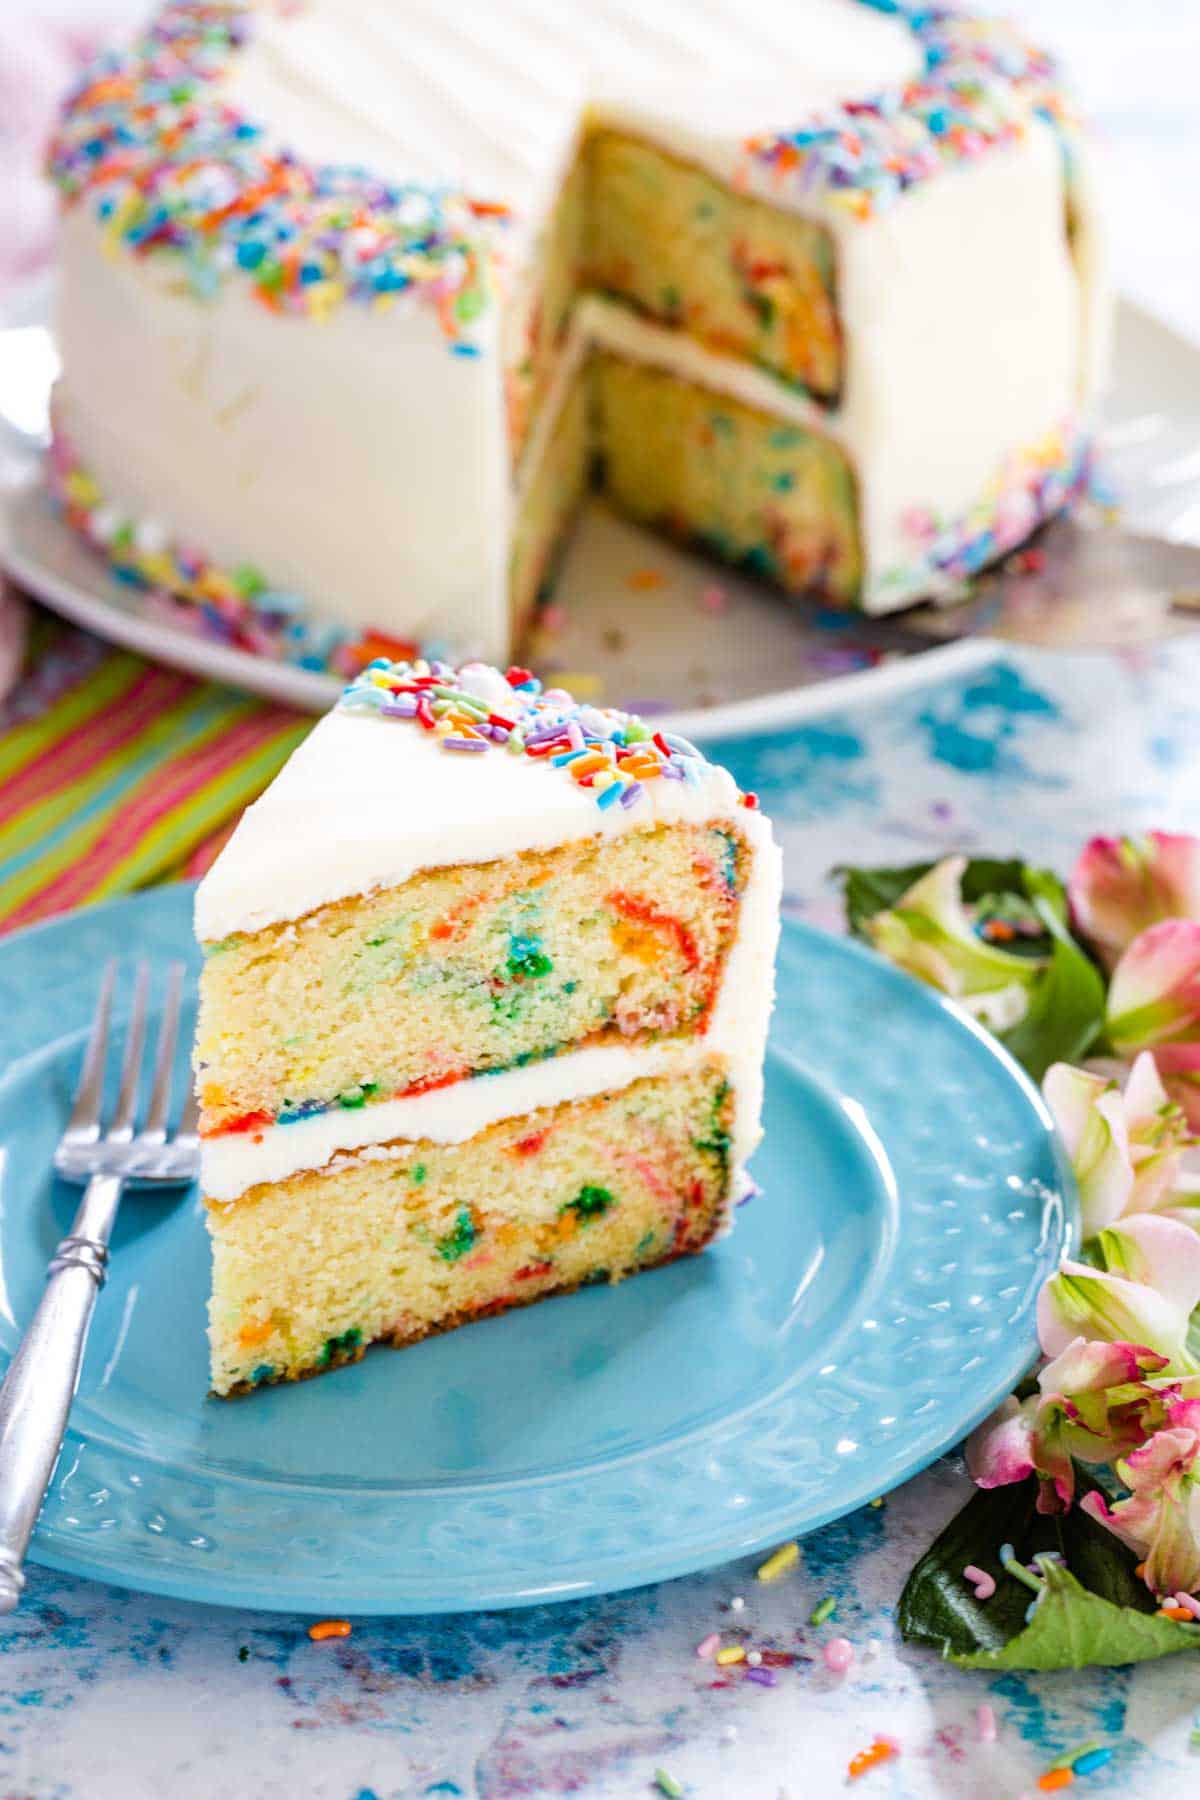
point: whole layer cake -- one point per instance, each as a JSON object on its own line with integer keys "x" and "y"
{"x": 357, "y": 299}
{"x": 486, "y": 988}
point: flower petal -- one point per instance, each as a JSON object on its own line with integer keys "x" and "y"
{"x": 1132, "y": 1532}
{"x": 1162, "y": 1254}
{"x": 929, "y": 933}
{"x": 999, "y": 1451}
{"x": 1120, "y": 885}
{"x": 1089, "y": 1367}
{"x": 1179, "y": 1067}
{"x": 1090, "y": 1116}
{"x": 1154, "y": 997}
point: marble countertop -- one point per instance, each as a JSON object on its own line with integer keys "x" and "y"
{"x": 105, "y": 1693}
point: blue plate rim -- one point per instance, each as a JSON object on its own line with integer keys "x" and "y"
{"x": 623, "y": 1568}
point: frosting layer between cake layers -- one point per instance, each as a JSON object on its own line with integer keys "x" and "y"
{"x": 335, "y": 404}
{"x": 366, "y": 803}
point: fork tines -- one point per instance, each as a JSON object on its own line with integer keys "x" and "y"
{"x": 131, "y": 1140}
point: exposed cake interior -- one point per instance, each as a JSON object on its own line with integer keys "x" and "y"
{"x": 467, "y": 970}
{"x": 400, "y": 1239}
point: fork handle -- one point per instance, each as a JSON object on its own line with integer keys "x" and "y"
{"x": 36, "y": 1397}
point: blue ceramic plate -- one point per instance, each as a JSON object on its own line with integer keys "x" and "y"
{"x": 872, "y": 1304}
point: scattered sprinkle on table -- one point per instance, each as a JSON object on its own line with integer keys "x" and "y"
{"x": 1070, "y": 1757}
{"x": 1093, "y": 1760}
{"x": 837, "y": 1655}
{"x": 983, "y": 1583}
{"x": 708, "y": 1646}
{"x": 985, "y": 1724}
{"x": 667, "y": 1784}
{"x": 881, "y": 1751}
{"x": 329, "y": 1628}
{"x": 732, "y": 1653}
{"x": 1053, "y": 1779}
{"x": 737, "y": 1603}
{"x": 823, "y": 1610}
{"x": 785, "y": 1558}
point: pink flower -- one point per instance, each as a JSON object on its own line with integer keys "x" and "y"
{"x": 1160, "y": 1518}
{"x": 1120, "y": 885}
{"x": 1154, "y": 997}
{"x": 1144, "y": 1294}
{"x": 1125, "y": 1147}
{"x": 1095, "y": 1402}
{"x": 1179, "y": 1067}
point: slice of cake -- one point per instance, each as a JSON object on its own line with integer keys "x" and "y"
{"x": 482, "y": 1016}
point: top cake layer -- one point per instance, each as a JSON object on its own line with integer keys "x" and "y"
{"x": 375, "y": 793}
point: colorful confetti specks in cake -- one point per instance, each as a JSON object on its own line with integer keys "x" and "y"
{"x": 981, "y": 84}
{"x": 169, "y": 165}
{"x": 476, "y": 709}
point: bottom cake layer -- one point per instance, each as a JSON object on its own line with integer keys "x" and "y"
{"x": 403, "y": 1239}
{"x": 766, "y": 495}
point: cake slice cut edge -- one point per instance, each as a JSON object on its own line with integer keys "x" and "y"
{"x": 473, "y": 1081}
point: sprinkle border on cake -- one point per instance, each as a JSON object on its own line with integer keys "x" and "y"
{"x": 170, "y": 165}
{"x": 612, "y": 753}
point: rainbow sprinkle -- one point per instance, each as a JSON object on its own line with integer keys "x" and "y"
{"x": 981, "y": 85}
{"x": 783, "y": 1559}
{"x": 613, "y": 754}
{"x": 169, "y": 165}
{"x": 1032, "y": 483}
{"x": 882, "y": 1750}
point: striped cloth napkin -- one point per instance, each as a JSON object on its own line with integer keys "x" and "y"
{"x": 116, "y": 773}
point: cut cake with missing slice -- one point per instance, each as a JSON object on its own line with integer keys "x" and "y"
{"x": 486, "y": 989}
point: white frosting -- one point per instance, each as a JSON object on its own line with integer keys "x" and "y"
{"x": 360, "y": 464}
{"x": 306, "y": 448}
{"x": 490, "y": 98}
{"x": 365, "y": 802}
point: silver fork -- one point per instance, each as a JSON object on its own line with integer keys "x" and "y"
{"x": 39, "y": 1387}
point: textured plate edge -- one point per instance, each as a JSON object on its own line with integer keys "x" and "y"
{"x": 613, "y": 1575}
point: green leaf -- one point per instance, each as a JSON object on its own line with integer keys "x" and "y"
{"x": 1075, "y": 1629}
{"x": 1065, "y": 1015}
{"x": 870, "y": 891}
{"x": 1095, "y": 1611}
